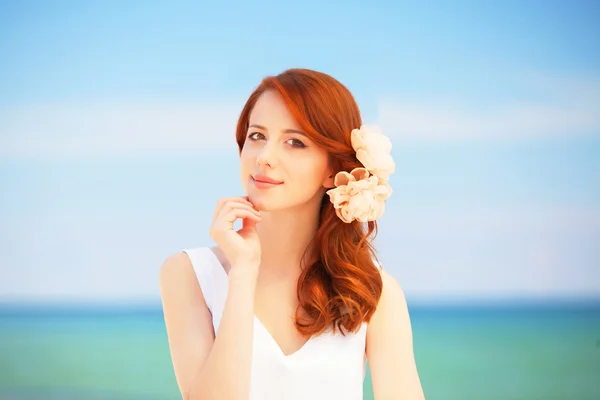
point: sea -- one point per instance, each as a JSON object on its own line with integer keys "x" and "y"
{"x": 522, "y": 350}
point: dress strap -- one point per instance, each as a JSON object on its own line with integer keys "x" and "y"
{"x": 202, "y": 267}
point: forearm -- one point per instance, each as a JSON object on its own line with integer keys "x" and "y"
{"x": 226, "y": 373}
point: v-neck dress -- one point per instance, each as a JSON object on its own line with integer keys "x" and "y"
{"x": 328, "y": 366}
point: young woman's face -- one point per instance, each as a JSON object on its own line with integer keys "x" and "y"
{"x": 276, "y": 149}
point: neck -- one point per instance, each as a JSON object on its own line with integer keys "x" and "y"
{"x": 284, "y": 237}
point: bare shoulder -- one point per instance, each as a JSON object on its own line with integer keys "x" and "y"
{"x": 392, "y": 291}
{"x": 389, "y": 346}
{"x": 188, "y": 320}
{"x": 175, "y": 262}
{"x": 175, "y": 265}
{"x": 177, "y": 277}
{"x": 392, "y": 304}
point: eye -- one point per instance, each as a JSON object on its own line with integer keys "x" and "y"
{"x": 253, "y": 137}
{"x": 297, "y": 143}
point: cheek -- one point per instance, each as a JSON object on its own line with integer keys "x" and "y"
{"x": 246, "y": 167}
{"x": 310, "y": 173}
{"x": 247, "y": 159}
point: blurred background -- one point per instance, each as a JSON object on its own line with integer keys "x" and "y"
{"x": 117, "y": 138}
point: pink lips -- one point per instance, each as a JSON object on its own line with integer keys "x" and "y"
{"x": 266, "y": 179}
{"x": 264, "y": 182}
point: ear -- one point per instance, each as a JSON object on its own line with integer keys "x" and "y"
{"x": 329, "y": 180}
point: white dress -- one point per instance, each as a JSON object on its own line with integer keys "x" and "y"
{"x": 328, "y": 366}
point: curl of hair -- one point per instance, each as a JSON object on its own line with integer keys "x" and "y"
{"x": 340, "y": 284}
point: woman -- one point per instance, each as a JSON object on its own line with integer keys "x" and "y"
{"x": 293, "y": 304}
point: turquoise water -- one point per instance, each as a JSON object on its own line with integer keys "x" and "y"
{"x": 509, "y": 352}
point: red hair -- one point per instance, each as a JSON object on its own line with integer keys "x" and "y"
{"x": 343, "y": 286}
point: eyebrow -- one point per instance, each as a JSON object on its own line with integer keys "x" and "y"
{"x": 285, "y": 131}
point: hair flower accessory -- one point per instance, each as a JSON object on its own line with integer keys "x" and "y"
{"x": 373, "y": 150}
{"x": 361, "y": 194}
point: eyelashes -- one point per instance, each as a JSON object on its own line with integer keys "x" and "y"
{"x": 250, "y": 136}
{"x": 296, "y": 143}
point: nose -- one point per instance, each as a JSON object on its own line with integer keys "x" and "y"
{"x": 267, "y": 155}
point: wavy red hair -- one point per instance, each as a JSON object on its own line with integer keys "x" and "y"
{"x": 343, "y": 285}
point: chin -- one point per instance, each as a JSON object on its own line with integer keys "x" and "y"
{"x": 261, "y": 203}
{"x": 258, "y": 203}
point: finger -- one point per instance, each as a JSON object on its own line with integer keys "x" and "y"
{"x": 219, "y": 206}
{"x": 236, "y": 200}
{"x": 221, "y": 202}
{"x": 247, "y": 198}
{"x": 225, "y": 221}
{"x": 232, "y": 215}
{"x": 249, "y": 224}
{"x": 234, "y": 204}
{"x": 226, "y": 200}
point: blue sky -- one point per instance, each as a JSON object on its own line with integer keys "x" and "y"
{"x": 114, "y": 118}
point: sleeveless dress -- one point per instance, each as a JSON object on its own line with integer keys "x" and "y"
{"x": 328, "y": 366}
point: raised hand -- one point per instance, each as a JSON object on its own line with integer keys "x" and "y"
{"x": 241, "y": 247}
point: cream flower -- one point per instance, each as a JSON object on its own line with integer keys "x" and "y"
{"x": 373, "y": 150}
{"x": 359, "y": 195}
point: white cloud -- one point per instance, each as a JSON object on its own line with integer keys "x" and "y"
{"x": 483, "y": 222}
{"x": 113, "y": 129}
{"x": 555, "y": 107}
{"x": 118, "y": 128}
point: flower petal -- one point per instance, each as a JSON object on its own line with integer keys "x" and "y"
{"x": 344, "y": 215}
{"x": 384, "y": 167}
{"x": 359, "y": 173}
{"x": 365, "y": 159}
{"x": 357, "y": 187}
{"x": 383, "y": 191}
{"x": 373, "y": 150}
{"x": 342, "y": 178}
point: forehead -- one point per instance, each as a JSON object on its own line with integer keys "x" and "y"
{"x": 271, "y": 110}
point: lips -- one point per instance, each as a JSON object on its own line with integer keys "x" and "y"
{"x": 266, "y": 179}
